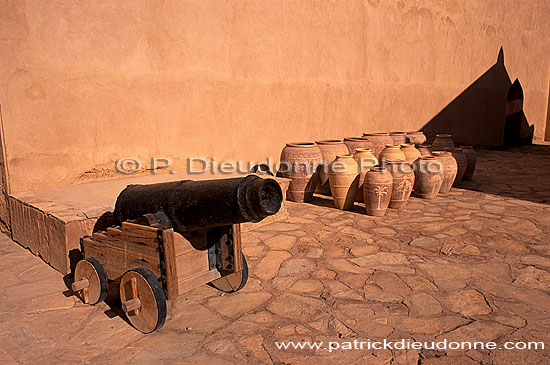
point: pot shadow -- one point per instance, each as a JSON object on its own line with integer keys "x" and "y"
{"x": 327, "y": 202}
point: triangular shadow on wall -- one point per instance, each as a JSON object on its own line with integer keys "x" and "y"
{"x": 478, "y": 115}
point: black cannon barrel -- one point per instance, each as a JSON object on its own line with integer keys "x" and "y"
{"x": 192, "y": 205}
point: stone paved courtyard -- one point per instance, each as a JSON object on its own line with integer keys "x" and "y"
{"x": 472, "y": 265}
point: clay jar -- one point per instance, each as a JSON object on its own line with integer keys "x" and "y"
{"x": 416, "y": 138}
{"x": 442, "y": 141}
{"x": 330, "y": 148}
{"x": 471, "y": 156}
{"x": 428, "y": 175}
{"x": 392, "y": 153}
{"x": 357, "y": 142}
{"x": 344, "y": 181}
{"x": 377, "y": 190}
{"x": 379, "y": 140}
{"x": 425, "y": 149}
{"x": 299, "y": 163}
{"x": 450, "y": 169}
{"x": 410, "y": 152}
{"x": 461, "y": 161}
{"x": 365, "y": 161}
{"x": 398, "y": 137}
{"x": 403, "y": 182}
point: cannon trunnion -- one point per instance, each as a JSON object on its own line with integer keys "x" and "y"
{"x": 155, "y": 249}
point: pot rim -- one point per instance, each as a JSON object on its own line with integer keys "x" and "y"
{"x": 361, "y": 139}
{"x": 329, "y": 141}
{"x": 376, "y": 134}
{"x": 361, "y": 149}
{"x": 301, "y": 144}
{"x": 378, "y": 169}
{"x": 444, "y": 135}
{"x": 389, "y": 145}
{"x": 442, "y": 153}
{"x": 407, "y": 145}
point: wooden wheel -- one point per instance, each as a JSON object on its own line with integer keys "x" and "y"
{"x": 143, "y": 300}
{"x": 232, "y": 282}
{"x": 90, "y": 281}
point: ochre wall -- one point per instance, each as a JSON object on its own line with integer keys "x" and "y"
{"x": 84, "y": 83}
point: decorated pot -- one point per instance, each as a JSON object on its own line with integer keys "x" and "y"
{"x": 425, "y": 149}
{"x": 300, "y": 163}
{"x": 377, "y": 190}
{"x": 471, "y": 156}
{"x": 450, "y": 169}
{"x": 461, "y": 161}
{"x": 428, "y": 175}
{"x": 410, "y": 152}
{"x": 398, "y": 137}
{"x": 379, "y": 140}
{"x": 344, "y": 181}
{"x": 392, "y": 153}
{"x": 442, "y": 141}
{"x": 416, "y": 138}
{"x": 330, "y": 148}
{"x": 403, "y": 182}
{"x": 357, "y": 142}
{"x": 365, "y": 161}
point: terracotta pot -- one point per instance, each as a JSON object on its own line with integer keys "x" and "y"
{"x": 410, "y": 152}
{"x": 379, "y": 140}
{"x": 461, "y": 161}
{"x": 471, "y": 156}
{"x": 398, "y": 137}
{"x": 403, "y": 182}
{"x": 344, "y": 181}
{"x": 450, "y": 169}
{"x": 425, "y": 149}
{"x": 428, "y": 174}
{"x": 357, "y": 142}
{"x": 442, "y": 141}
{"x": 377, "y": 190}
{"x": 365, "y": 161}
{"x": 330, "y": 148}
{"x": 416, "y": 137}
{"x": 299, "y": 163}
{"x": 392, "y": 153}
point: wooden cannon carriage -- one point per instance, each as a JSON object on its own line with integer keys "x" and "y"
{"x": 152, "y": 258}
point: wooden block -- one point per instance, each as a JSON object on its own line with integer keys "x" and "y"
{"x": 190, "y": 283}
{"x": 116, "y": 260}
{"x": 237, "y": 247}
{"x": 170, "y": 263}
{"x": 133, "y": 236}
{"x": 145, "y": 231}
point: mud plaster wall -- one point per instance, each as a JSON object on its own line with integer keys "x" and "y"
{"x": 83, "y": 83}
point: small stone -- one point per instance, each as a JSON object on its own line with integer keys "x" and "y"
{"x": 513, "y": 321}
{"x": 381, "y": 258}
{"x": 295, "y": 307}
{"x": 427, "y": 243}
{"x": 419, "y": 283}
{"x": 307, "y": 286}
{"x": 296, "y": 266}
{"x": 468, "y": 302}
{"x": 268, "y": 267}
{"x": 362, "y": 250}
{"x": 424, "y": 304}
{"x": 375, "y": 293}
{"x": 281, "y": 242}
{"x": 384, "y": 231}
{"x": 533, "y": 277}
{"x": 238, "y": 303}
{"x": 340, "y": 265}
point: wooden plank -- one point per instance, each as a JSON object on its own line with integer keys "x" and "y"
{"x": 132, "y": 236}
{"x": 117, "y": 259}
{"x": 170, "y": 263}
{"x": 191, "y": 283}
{"x": 182, "y": 245}
{"x": 237, "y": 247}
{"x": 136, "y": 247}
{"x": 192, "y": 264}
{"x": 145, "y": 231}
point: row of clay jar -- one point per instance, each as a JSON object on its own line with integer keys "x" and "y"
{"x": 357, "y": 176}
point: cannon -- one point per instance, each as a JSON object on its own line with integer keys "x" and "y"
{"x": 162, "y": 240}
